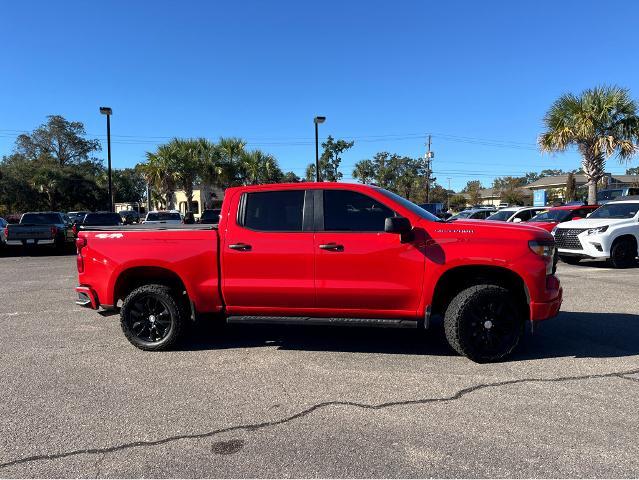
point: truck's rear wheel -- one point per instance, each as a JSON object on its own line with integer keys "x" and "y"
{"x": 623, "y": 253}
{"x": 484, "y": 323}
{"x": 151, "y": 318}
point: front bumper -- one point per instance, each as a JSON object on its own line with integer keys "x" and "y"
{"x": 87, "y": 298}
{"x": 592, "y": 246}
{"x": 549, "y": 307}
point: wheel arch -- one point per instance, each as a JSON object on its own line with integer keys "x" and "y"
{"x": 457, "y": 279}
{"x": 134, "y": 277}
{"x": 625, "y": 236}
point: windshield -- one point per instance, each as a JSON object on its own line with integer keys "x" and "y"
{"x": 616, "y": 210}
{"x": 162, "y": 216}
{"x": 609, "y": 194}
{"x": 41, "y": 218}
{"x": 102, "y": 219}
{"x": 416, "y": 209}
{"x": 464, "y": 214}
{"x": 501, "y": 215}
{"x": 551, "y": 216}
{"x": 210, "y": 215}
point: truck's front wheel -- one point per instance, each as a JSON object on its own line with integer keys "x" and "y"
{"x": 484, "y": 323}
{"x": 151, "y": 318}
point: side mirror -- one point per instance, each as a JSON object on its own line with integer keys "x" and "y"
{"x": 399, "y": 225}
{"x": 517, "y": 220}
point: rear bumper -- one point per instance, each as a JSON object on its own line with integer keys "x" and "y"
{"x": 31, "y": 242}
{"x": 545, "y": 310}
{"x": 87, "y": 298}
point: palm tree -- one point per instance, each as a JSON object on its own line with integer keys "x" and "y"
{"x": 159, "y": 172}
{"x": 188, "y": 163}
{"x": 600, "y": 122}
{"x": 259, "y": 167}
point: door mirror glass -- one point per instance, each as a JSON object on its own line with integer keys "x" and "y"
{"x": 398, "y": 225}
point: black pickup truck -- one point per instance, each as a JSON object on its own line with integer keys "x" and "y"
{"x": 41, "y": 228}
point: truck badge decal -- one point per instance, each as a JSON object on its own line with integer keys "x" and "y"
{"x": 109, "y": 235}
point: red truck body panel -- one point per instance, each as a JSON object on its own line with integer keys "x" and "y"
{"x": 190, "y": 254}
{"x": 288, "y": 274}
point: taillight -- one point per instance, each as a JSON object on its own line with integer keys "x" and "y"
{"x": 80, "y": 243}
{"x": 74, "y": 229}
{"x": 6, "y": 232}
{"x": 54, "y": 231}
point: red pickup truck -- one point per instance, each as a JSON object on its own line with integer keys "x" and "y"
{"x": 324, "y": 253}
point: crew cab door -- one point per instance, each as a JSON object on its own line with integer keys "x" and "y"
{"x": 267, "y": 253}
{"x": 361, "y": 271}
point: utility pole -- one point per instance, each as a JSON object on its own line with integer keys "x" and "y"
{"x": 428, "y": 159}
{"x": 448, "y": 194}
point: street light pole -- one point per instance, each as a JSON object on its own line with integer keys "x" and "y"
{"x": 108, "y": 112}
{"x": 317, "y": 121}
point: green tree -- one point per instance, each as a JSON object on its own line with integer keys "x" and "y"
{"x": 52, "y": 168}
{"x": 473, "y": 188}
{"x": 457, "y": 202}
{"x": 290, "y": 177}
{"x": 128, "y": 185}
{"x": 600, "y": 123}
{"x": 59, "y": 140}
{"x": 632, "y": 171}
{"x": 260, "y": 167}
{"x": 330, "y": 160}
{"x": 159, "y": 172}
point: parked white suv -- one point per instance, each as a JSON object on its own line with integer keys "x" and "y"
{"x": 611, "y": 232}
{"x": 516, "y": 214}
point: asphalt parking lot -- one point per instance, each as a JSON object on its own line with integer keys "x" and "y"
{"x": 79, "y": 401}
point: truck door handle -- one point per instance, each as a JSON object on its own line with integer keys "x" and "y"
{"x": 334, "y": 247}
{"x": 242, "y": 247}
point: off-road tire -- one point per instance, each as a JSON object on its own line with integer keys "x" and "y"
{"x": 163, "y": 298}
{"x": 489, "y": 336}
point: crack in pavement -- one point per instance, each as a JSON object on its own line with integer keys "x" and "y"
{"x": 250, "y": 427}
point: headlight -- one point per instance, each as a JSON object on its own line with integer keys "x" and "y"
{"x": 595, "y": 231}
{"x": 542, "y": 248}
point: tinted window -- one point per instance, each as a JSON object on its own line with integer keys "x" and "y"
{"x": 616, "y": 210}
{"x": 551, "y": 216}
{"x": 41, "y": 218}
{"x": 163, "y": 216}
{"x": 609, "y": 194}
{"x": 104, "y": 219}
{"x": 501, "y": 215}
{"x": 525, "y": 215}
{"x": 274, "y": 211}
{"x": 211, "y": 215}
{"x": 352, "y": 211}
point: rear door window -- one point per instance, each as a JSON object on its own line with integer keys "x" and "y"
{"x": 279, "y": 211}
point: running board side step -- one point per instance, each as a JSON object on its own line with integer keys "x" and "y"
{"x": 364, "y": 322}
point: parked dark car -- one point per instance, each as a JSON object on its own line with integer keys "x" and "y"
{"x": 98, "y": 219}
{"x": 211, "y": 216}
{"x": 75, "y": 217}
{"x": 129, "y": 216}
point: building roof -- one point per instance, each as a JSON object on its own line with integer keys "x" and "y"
{"x": 580, "y": 179}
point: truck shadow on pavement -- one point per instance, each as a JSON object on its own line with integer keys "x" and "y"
{"x": 583, "y": 335}
{"x": 570, "y": 334}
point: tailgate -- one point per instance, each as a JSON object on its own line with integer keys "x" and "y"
{"x": 28, "y": 232}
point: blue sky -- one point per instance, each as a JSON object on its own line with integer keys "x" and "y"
{"x": 479, "y": 76}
